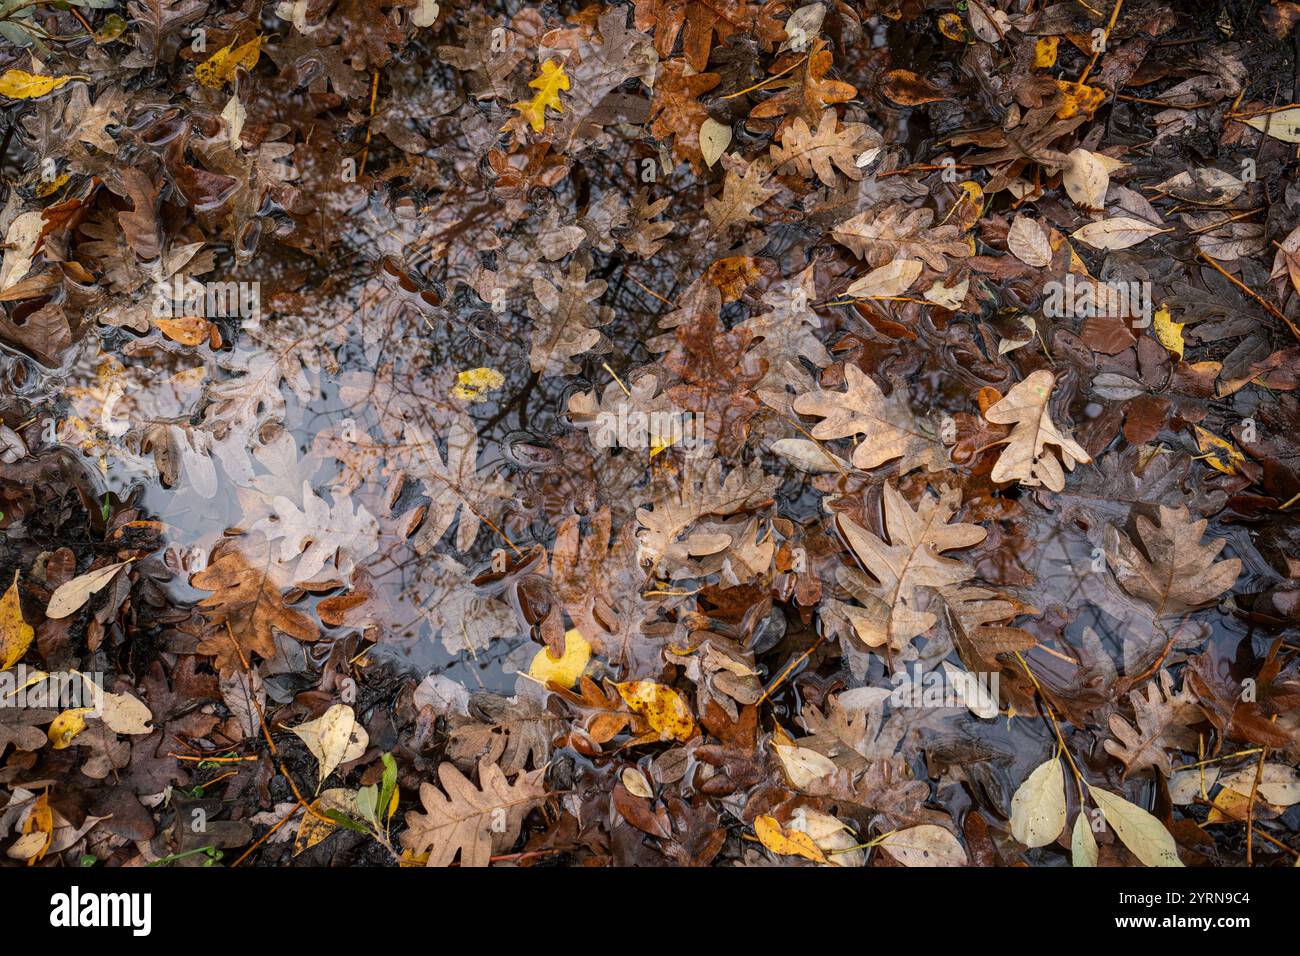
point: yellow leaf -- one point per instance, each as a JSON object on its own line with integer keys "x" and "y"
{"x": 1078, "y": 99}
{"x": 1219, "y": 454}
{"x": 950, "y": 25}
{"x": 1045, "y": 52}
{"x": 312, "y": 829}
{"x": 220, "y": 68}
{"x": 548, "y": 84}
{"x": 662, "y": 707}
{"x": 50, "y": 186}
{"x": 786, "y": 842}
{"x": 40, "y": 821}
{"x": 66, "y": 726}
{"x": 563, "y": 670}
{"x": 15, "y": 633}
{"x": 472, "y": 383}
{"x": 1169, "y": 332}
{"x": 187, "y": 330}
{"x": 21, "y": 85}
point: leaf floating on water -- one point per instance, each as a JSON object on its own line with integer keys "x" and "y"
{"x": 21, "y": 85}
{"x": 220, "y": 68}
{"x": 1038, "y": 805}
{"x": 549, "y": 84}
{"x": 786, "y": 842}
{"x": 1138, "y": 830}
{"x": 15, "y": 633}
{"x": 924, "y": 845}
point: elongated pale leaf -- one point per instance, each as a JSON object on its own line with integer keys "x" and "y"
{"x": 1118, "y": 233}
{"x": 808, "y": 456}
{"x": 1038, "y": 807}
{"x": 1283, "y": 125}
{"x": 21, "y": 85}
{"x": 68, "y": 597}
{"x": 1278, "y": 783}
{"x": 893, "y": 278}
{"x": 804, "y": 767}
{"x": 15, "y": 633}
{"x": 125, "y": 714}
{"x": 1086, "y": 179}
{"x": 1083, "y": 844}
{"x": 925, "y": 845}
{"x": 1142, "y": 833}
{"x": 714, "y": 140}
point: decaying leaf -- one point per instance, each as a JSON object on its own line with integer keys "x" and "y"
{"x": 333, "y": 738}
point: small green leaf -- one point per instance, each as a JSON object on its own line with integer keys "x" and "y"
{"x": 367, "y": 801}
{"x": 388, "y": 784}
{"x": 343, "y": 820}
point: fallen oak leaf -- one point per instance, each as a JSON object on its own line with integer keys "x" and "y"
{"x": 1026, "y": 459}
{"x": 548, "y": 84}
{"x": 471, "y": 821}
{"x": 1177, "y": 572}
{"x": 907, "y": 566}
{"x": 244, "y": 612}
{"x": 888, "y": 428}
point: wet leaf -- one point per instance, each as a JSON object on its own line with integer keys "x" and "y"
{"x": 1026, "y": 458}
{"x": 68, "y": 598}
{"x": 1138, "y": 830}
{"x": 15, "y": 633}
{"x": 786, "y": 842}
{"x": 1038, "y": 805}
{"x": 333, "y": 738}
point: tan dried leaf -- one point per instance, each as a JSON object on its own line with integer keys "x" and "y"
{"x": 471, "y": 821}
{"x": 1026, "y": 458}
{"x": 909, "y": 564}
{"x": 888, "y": 428}
{"x": 900, "y": 232}
{"x": 1177, "y": 572}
